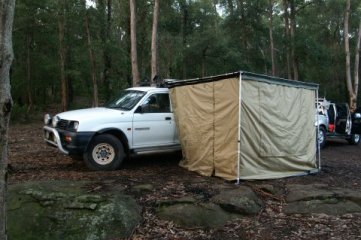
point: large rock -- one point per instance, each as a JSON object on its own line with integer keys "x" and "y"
{"x": 318, "y": 198}
{"x": 206, "y": 215}
{"x": 66, "y": 210}
{"x": 241, "y": 200}
{"x": 227, "y": 205}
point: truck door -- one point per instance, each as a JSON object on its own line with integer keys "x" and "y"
{"x": 343, "y": 119}
{"x": 356, "y": 121}
{"x": 331, "y": 113}
{"x": 153, "y": 122}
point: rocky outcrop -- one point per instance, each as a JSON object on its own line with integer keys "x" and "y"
{"x": 319, "y": 198}
{"x": 85, "y": 210}
{"x": 67, "y": 210}
{"x": 241, "y": 200}
{"x": 227, "y": 205}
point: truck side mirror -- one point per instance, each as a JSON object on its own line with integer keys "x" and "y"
{"x": 139, "y": 110}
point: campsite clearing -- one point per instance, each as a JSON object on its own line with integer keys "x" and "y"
{"x": 150, "y": 179}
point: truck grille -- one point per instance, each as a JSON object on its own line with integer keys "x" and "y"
{"x": 62, "y": 124}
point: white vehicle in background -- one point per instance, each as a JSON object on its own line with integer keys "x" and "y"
{"x": 335, "y": 121}
{"x": 140, "y": 120}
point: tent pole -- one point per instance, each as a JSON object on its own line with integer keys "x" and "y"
{"x": 239, "y": 126}
{"x": 318, "y": 132}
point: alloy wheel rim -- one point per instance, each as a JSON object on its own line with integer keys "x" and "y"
{"x": 103, "y": 153}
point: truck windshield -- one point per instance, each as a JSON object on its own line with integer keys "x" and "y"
{"x": 126, "y": 100}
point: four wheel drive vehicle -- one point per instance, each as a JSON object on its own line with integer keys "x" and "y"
{"x": 140, "y": 120}
{"x": 335, "y": 121}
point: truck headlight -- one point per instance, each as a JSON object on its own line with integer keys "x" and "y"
{"x": 55, "y": 121}
{"x": 73, "y": 125}
{"x": 47, "y": 119}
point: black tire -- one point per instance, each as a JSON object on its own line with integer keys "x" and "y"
{"x": 321, "y": 137}
{"x": 105, "y": 153}
{"x": 354, "y": 140}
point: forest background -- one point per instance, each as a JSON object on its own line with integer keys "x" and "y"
{"x": 78, "y": 53}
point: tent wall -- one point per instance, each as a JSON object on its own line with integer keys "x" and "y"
{"x": 278, "y": 136}
{"x": 206, "y": 115}
{"x": 193, "y": 107}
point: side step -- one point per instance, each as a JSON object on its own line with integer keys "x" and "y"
{"x": 160, "y": 149}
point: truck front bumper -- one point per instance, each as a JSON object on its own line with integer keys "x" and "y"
{"x": 70, "y": 143}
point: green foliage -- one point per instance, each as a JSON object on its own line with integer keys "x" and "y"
{"x": 195, "y": 38}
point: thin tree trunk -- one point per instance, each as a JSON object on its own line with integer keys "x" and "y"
{"x": 62, "y": 56}
{"x": 184, "y": 9}
{"x": 6, "y": 56}
{"x": 28, "y": 72}
{"x": 270, "y": 26}
{"x": 204, "y": 56}
{"x": 106, "y": 39}
{"x": 91, "y": 59}
{"x": 356, "y": 70}
{"x": 292, "y": 38}
{"x": 347, "y": 54}
{"x": 287, "y": 37}
{"x": 154, "y": 48}
{"x": 133, "y": 43}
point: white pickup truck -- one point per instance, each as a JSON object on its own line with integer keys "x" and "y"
{"x": 335, "y": 121}
{"x": 139, "y": 120}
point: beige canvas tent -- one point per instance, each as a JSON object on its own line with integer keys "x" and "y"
{"x": 246, "y": 126}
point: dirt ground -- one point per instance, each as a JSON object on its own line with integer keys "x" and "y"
{"x": 30, "y": 159}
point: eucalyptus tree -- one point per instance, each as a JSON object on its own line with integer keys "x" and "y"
{"x": 154, "y": 47}
{"x": 91, "y": 55}
{"x": 62, "y": 55}
{"x": 352, "y": 85}
{"x": 6, "y": 56}
{"x": 133, "y": 42}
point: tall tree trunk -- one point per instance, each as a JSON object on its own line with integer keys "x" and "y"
{"x": 287, "y": 37}
{"x": 106, "y": 40}
{"x": 154, "y": 48}
{"x": 62, "y": 56}
{"x": 6, "y": 56}
{"x": 204, "y": 56}
{"x": 91, "y": 59}
{"x": 347, "y": 54}
{"x": 28, "y": 72}
{"x": 270, "y": 26}
{"x": 133, "y": 43}
{"x": 292, "y": 39}
{"x": 184, "y": 9}
{"x": 357, "y": 65}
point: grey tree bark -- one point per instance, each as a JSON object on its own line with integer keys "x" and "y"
{"x": 154, "y": 48}
{"x": 350, "y": 87}
{"x": 62, "y": 56}
{"x": 6, "y": 57}
{"x": 91, "y": 58}
{"x": 133, "y": 43}
{"x": 287, "y": 37}
{"x": 270, "y": 26}
{"x": 357, "y": 65}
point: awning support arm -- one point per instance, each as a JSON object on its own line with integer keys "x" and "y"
{"x": 239, "y": 126}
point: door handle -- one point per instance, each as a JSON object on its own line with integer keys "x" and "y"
{"x": 168, "y": 118}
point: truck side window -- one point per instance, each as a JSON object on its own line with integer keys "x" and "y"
{"x": 157, "y": 103}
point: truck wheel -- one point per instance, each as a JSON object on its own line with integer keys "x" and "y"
{"x": 354, "y": 140}
{"x": 321, "y": 137}
{"x": 104, "y": 153}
